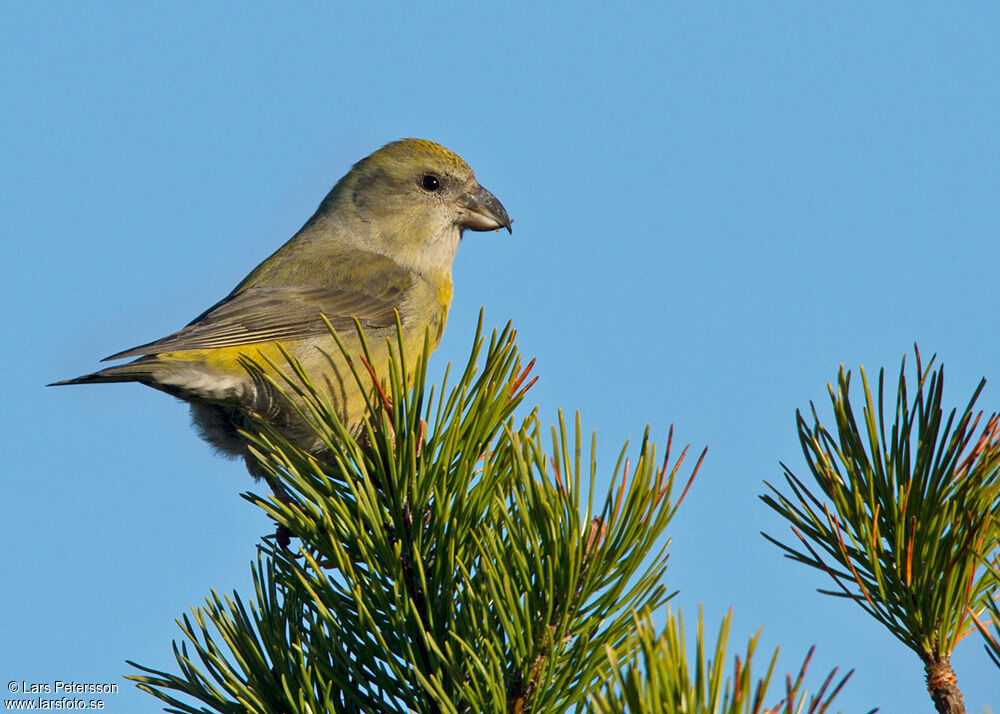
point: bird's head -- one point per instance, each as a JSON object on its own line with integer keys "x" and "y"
{"x": 414, "y": 198}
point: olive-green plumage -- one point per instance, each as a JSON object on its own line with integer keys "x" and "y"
{"x": 383, "y": 240}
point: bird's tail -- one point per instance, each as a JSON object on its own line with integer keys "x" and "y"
{"x": 137, "y": 371}
{"x": 185, "y": 379}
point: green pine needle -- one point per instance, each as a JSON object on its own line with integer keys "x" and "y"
{"x": 904, "y": 515}
{"x": 448, "y": 566}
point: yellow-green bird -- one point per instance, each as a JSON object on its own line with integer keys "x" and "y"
{"x": 382, "y": 241}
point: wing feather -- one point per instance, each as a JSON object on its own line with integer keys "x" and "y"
{"x": 286, "y": 312}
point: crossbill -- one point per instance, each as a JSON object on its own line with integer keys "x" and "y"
{"x": 382, "y": 242}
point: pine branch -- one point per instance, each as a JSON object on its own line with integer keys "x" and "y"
{"x": 662, "y": 681}
{"x": 443, "y": 561}
{"x": 905, "y": 519}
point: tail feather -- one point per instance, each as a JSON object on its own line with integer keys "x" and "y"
{"x": 131, "y": 372}
{"x": 183, "y": 379}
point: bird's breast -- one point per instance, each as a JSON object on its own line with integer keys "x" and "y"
{"x": 426, "y": 308}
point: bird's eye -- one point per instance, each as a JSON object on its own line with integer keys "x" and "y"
{"x": 430, "y": 182}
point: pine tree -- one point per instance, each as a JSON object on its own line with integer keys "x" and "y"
{"x": 445, "y": 561}
{"x": 910, "y": 525}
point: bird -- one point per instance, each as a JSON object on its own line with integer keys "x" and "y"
{"x": 379, "y": 248}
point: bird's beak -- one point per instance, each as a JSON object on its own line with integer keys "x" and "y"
{"x": 482, "y": 211}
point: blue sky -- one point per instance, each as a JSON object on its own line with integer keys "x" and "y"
{"x": 715, "y": 206}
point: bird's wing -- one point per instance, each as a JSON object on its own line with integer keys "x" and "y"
{"x": 286, "y": 312}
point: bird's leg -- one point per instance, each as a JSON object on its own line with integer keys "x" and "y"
{"x": 282, "y": 535}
